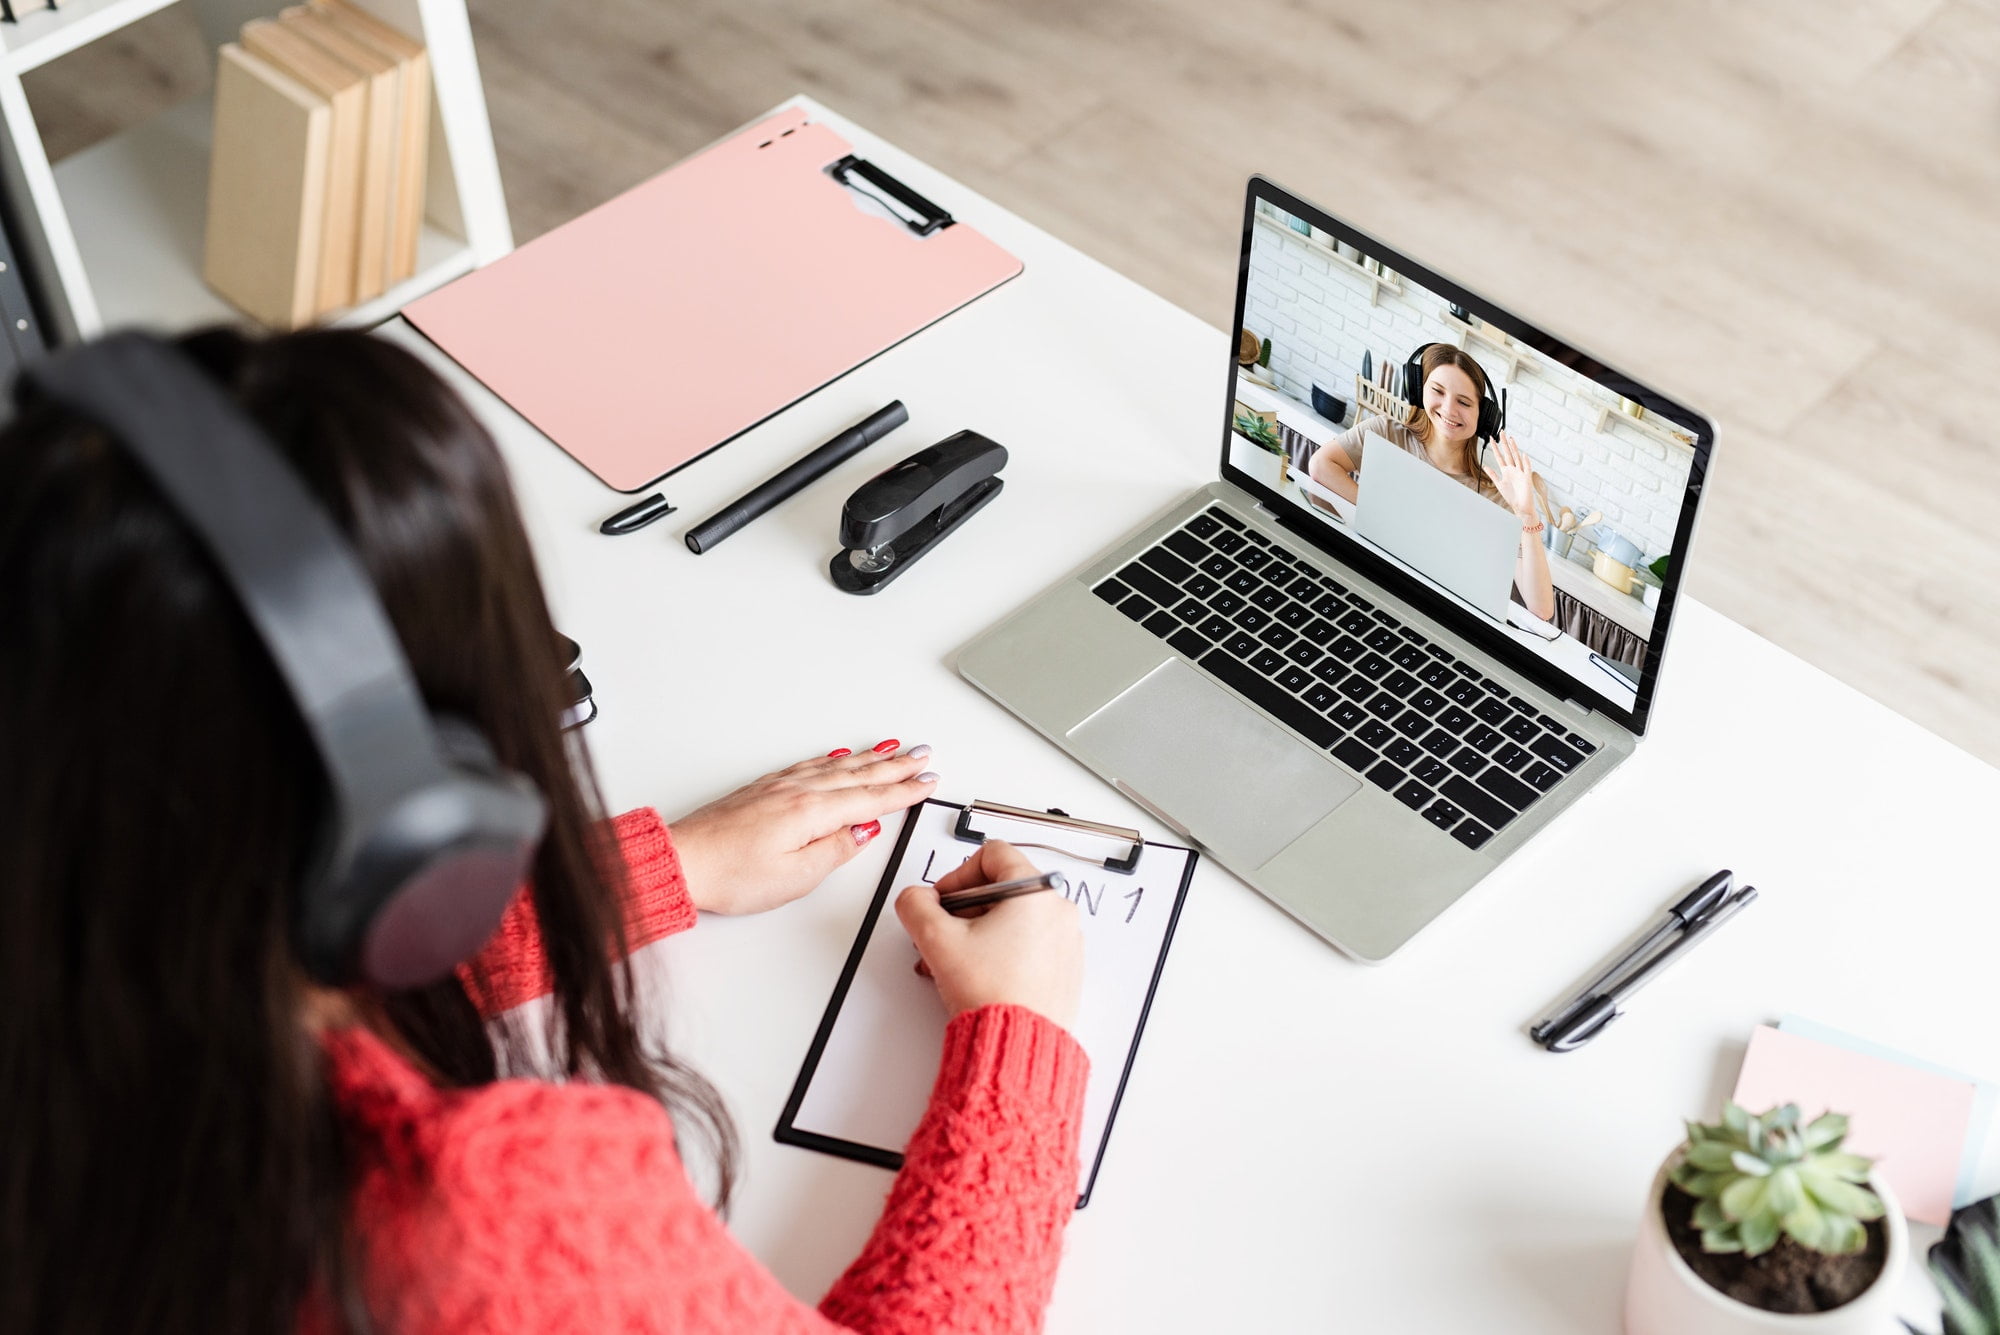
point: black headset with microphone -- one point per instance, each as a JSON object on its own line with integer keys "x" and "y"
{"x": 425, "y": 838}
{"x": 1492, "y": 411}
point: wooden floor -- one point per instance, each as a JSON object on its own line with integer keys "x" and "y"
{"x": 1787, "y": 210}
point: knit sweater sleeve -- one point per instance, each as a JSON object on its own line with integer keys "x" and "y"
{"x": 513, "y": 967}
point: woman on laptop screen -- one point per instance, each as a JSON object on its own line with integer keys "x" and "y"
{"x": 1453, "y": 413}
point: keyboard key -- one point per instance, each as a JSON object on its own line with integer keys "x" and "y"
{"x": 1432, "y": 772}
{"x": 1375, "y": 734}
{"x": 1268, "y": 598}
{"x": 1521, "y": 705}
{"x": 1330, "y": 670}
{"x": 1413, "y": 795}
{"x": 1373, "y": 666}
{"x": 1162, "y": 624}
{"x": 1168, "y": 564}
{"x": 1357, "y": 688}
{"x": 1267, "y": 661}
{"x": 1201, "y": 586}
{"x": 1294, "y": 615}
{"x": 1244, "y": 583}
{"x": 1409, "y": 634}
{"x": 1113, "y": 591}
{"x": 1471, "y": 833}
{"x": 1303, "y": 653}
{"x": 1429, "y": 701}
{"x": 1357, "y": 622}
{"x": 1253, "y": 558}
{"x": 1346, "y": 649}
{"x": 1454, "y": 718}
{"x": 1409, "y": 657}
{"x": 1271, "y": 698}
{"x": 1402, "y": 683}
{"x": 1541, "y": 776}
{"x": 1507, "y": 788}
{"x": 1252, "y": 620}
{"x": 1443, "y": 814}
{"x": 1463, "y": 692}
{"x": 1203, "y": 526}
{"x": 1385, "y": 618}
{"x": 1582, "y": 743}
{"x": 1137, "y": 607}
{"x": 1226, "y": 518}
{"x": 1225, "y": 602}
{"x": 1382, "y": 640}
{"x": 1484, "y": 738}
{"x": 1216, "y": 629}
{"x": 1348, "y": 715}
{"x": 1294, "y": 679}
{"x": 1385, "y": 776}
{"x": 1436, "y": 675}
{"x": 1466, "y": 761}
{"x": 1319, "y": 631}
{"x": 1556, "y": 753}
{"x": 1412, "y": 724}
{"x": 1305, "y": 588}
{"x": 1321, "y": 697}
{"x": 1440, "y": 743}
{"x": 1276, "y": 636}
{"x": 1256, "y": 537}
{"x": 1218, "y": 567}
{"x": 1521, "y": 729}
{"x": 1146, "y": 582}
{"x": 1189, "y": 643}
{"x": 1552, "y": 723}
{"x": 1510, "y": 756}
{"x": 1327, "y": 605}
{"x": 1403, "y": 751}
{"x": 1229, "y": 544}
{"x": 1354, "y": 755}
{"x": 1242, "y": 644}
{"x": 1280, "y": 571}
{"x": 1190, "y": 610}
{"x": 1384, "y": 705}
{"x": 1491, "y": 710}
{"x": 1481, "y": 804}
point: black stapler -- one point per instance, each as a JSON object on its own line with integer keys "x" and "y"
{"x": 899, "y": 515}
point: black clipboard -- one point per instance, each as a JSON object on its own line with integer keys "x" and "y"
{"x": 788, "y": 1131}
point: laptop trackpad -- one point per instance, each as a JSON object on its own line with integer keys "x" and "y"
{"x": 1230, "y": 777}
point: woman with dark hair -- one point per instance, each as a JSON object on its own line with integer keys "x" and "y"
{"x": 1442, "y": 429}
{"x": 197, "y": 1137}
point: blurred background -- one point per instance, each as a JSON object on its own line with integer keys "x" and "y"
{"x": 1785, "y": 211}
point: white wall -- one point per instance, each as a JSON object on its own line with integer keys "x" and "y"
{"x": 1315, "y": 311}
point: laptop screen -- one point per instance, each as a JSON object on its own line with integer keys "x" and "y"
{"x": 1345, "y": 349}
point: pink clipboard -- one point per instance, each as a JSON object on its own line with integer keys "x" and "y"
{"x": 677, "y": 316}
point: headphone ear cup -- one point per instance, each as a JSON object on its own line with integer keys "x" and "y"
{"x": 464, "y": 746}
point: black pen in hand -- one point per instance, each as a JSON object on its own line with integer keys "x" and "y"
{"x": 979, "y": 896}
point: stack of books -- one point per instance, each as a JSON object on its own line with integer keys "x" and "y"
{"x": 316, "y": 179}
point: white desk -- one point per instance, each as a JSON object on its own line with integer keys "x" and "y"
{"x": 1306, "y": 1144}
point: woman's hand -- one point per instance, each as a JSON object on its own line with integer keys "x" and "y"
{"x": 1515, "y": 477}
{"x": 1026, "y": 951}
{"x": 773, "y": 840}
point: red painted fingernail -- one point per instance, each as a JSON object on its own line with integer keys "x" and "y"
{"x": 863, "y": 833}
{"x": 887, "y": 746}
{"x": 843, "y": 751}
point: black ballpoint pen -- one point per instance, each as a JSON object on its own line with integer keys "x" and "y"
{"x": 1694, "y": 905}
{"x": 1600, "y": 1011}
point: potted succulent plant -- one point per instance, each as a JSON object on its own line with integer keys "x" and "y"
{"x": 1758, "y": 1224}
{"x": 1966, "y": 1266}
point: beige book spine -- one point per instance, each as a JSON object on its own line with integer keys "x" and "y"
{"x": 266, "y": 191}
{"x": 413, "y": 164}
{"x": 384, "y": 140}
{"x": 346, "y": 90}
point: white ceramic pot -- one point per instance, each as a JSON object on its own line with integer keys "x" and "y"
{"x": 1664, "y": 1297}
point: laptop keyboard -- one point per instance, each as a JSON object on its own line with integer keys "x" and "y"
{"x": 1453, "y": 745}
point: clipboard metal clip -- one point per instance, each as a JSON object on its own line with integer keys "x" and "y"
{"x": 912, "y": 209}
{"x": 1128, "y": 862}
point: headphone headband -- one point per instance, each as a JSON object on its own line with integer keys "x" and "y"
{"x": 403, "y": 820}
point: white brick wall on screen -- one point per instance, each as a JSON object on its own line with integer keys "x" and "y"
{"x": 1315, "y": 311}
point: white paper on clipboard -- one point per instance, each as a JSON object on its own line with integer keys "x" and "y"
{"x": 867, "y": 1079}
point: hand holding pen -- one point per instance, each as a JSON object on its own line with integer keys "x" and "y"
{"x": 1698, "y": 914}
{"x": 1024, "y": 949}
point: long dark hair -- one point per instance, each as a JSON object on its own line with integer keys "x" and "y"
{"x": 169, "y": 1157}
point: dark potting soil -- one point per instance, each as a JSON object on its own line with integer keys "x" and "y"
{"x": 1788, "y": 1278}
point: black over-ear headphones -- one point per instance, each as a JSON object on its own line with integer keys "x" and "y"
{"x": 1492, "y": 414}
{"x": 425, "y": 839}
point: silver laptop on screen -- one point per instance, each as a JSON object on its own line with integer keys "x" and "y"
{"x": 1448, "y": 532}
{"x": 1343, "y": 734}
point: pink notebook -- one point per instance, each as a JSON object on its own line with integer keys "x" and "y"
{"x": 690, "y": 308}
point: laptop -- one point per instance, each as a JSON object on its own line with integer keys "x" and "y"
{"x": 1447, "y": 532}
{"x": 1332, "y": 725}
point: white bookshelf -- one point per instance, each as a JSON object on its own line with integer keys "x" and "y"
{"x": 115, "y": 232}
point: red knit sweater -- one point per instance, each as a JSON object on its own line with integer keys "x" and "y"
{"x": 523, "y": 1206}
